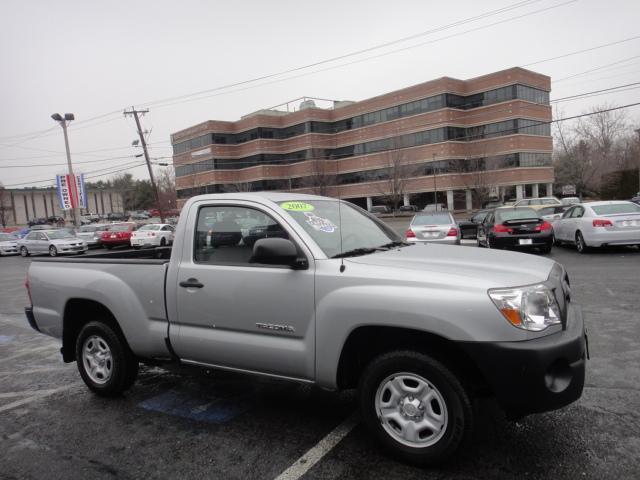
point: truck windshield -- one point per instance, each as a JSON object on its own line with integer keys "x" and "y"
{"x": 328, "y": 225}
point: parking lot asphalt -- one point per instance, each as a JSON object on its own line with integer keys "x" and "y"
{"x": 206, "y": 424}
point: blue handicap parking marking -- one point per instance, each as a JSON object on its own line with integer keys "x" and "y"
{"x": 4, "y": 339}
{"x": 202, "y": 408}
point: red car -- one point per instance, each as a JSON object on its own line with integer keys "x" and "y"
{"x": 117, "y": 234}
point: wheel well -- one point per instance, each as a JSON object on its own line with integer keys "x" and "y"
{"x": 366, "y": 343}
{"x": 77, "y": 313}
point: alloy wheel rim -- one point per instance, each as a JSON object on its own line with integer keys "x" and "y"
{"x": 52, "y": 251}
{"x": 411, "y": 410}
{"x": 579, "y": 243}
{"x": 97, "y": 359}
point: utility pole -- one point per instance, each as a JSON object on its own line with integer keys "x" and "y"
{"x": 638, "y": 132}
{"x": 143, "y": 142}
{"x": 63, "y": 123}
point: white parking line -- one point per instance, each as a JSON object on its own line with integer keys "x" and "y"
{"x": 315, "y": 454}
{"x": 38, "y": 395}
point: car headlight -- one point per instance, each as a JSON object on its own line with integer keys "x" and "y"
{"x": 530, "y": 308}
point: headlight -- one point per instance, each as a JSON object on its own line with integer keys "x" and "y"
{"x": 530, "y": 308}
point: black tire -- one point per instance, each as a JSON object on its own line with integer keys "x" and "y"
{"x": 581, "y": 246}
{"x": 123, "y": 364}
{"x": 459, "y": 413}
{"x": 24, "y": 252}
{"x": 53, "y": 251}
{"x": 163, "y": 242}
{"x": 108, "y": 247}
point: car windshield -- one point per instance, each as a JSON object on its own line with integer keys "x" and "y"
{"x": 519, "y": 213}
{"x": 59, "y": 234}
{"x": 149, "y": 227}
{"x": 339, "y": 229}
{"x": 616, "y": 208}
{"x": 431, "y": 219}
{"x": 5, "y": 237}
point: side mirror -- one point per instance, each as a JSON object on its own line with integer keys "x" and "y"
{"x": 277, "y": 251}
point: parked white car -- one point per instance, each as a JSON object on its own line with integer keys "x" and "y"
{"x": 53, "y": 242}
{"x": 8, "y": 244}
{"x": 153, "y": 235}
{"x": 599, "y": 224}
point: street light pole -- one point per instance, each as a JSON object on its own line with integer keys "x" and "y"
{"x": 63, "y": 123}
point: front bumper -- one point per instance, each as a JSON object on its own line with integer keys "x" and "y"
{"x": 536, "y": 375}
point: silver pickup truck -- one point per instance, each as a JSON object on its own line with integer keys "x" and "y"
{"x": 315, "y": 290}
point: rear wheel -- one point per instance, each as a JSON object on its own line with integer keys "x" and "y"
{"x": 581, "y": 246}
{"x": 414, "y": 406}
{"x": 106, "y": 364}
{"x": 24, "y": 252}
{"x": 163, "y": 242}
{"x": 53, "y": 251}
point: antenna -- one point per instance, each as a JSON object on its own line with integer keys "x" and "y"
{"x": 342, "y": 266}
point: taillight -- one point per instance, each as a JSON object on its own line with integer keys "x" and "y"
{"x": 453, "y": 232}
{"x": 410, "y": 234}
{"x": 499, "y": 228}
{"x": 600, "y": 222}
{"x": 153, "y": 234}
{"x": 28, "y": 287}
{"x": 543, "y": 227}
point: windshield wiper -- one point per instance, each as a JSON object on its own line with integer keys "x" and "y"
{"x": 395, "y": 244}
{"x": 356, "y": 252}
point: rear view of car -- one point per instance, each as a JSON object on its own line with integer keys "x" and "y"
{"x": 91, "y": 234}
{"x": 433, "y": 227}
{"x": 515, "y": 228}
{"x": 117, "y": 235}
{"x": 152, "y": 235}
{"x": 612, "y": 224}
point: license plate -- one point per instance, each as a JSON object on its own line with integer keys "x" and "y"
{"x": 430, "y": 234}
{"x": 525, "y": 241}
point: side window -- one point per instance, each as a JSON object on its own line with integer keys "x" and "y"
{"x": 577, "y": 212}
{"x": 225, "y": 235}
{"x": 568, "y": 213}
{"x": 41, "y": 236}
{"x": 31, "y": 236}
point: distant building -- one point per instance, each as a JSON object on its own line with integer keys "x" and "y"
{"x": 455, "y": 136}
{"x": 20, "y": 205}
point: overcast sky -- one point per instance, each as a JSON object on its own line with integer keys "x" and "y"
{"x": 94, "y": 58}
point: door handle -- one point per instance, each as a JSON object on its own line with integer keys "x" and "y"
{"x": 191, "y": 283}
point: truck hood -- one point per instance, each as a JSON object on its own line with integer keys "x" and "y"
{"x": 493, "y": 268}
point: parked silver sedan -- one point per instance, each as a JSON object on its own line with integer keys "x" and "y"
{"x": 599, "y": 224}
{"x": 8, "y": 244}
{"x": 52, "y": 242}
{"x": 433, "y": 227}
{"x": 92, "y": 234}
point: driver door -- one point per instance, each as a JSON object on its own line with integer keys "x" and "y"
{"x": 237, "y": 314}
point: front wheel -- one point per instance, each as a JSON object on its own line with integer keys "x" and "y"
{"x": 414, "y": 406}
{"x": 24, "y": 252}
{"x": 106, "y": 364}
{"x": 53, "y": 251}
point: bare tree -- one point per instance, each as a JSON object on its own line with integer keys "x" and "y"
{"x": 593, "y": 147}
{"x": 241, "y": 186}
{"x": 477, "y": 177}
{"x": 167, "y": 188}
{"x": 5, "y": 207}
{"x": 321, "y": 176}
{"x": 397, "y": 174}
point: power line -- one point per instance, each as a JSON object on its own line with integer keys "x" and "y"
{"x": 32, "y": 182}
{"x": 602, "y": 67}
{"x": 347, "y": 55}
{"x": 197, "y": 96}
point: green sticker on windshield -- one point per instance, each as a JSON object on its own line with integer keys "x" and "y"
{"x": 297, "y": 206}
